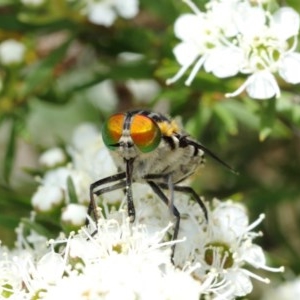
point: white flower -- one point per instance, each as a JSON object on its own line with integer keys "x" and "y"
{"x": 11, "y": 52}
{"x": 58, "y": 178}
{"x": 33, "y": 2}
{"x": 196, "y": 44}
{"x": 85, "y": 135}
{"x": 289, "y": 67}
{"x": 92, "y": 159}
{"x": 260, "y": 85}
{"x": 50, "y": 267}
{"x": 105, "y": 12}
{"x": 222, "y": 247}
{"x": 47, "y": 198}
{"x": 74, "y": 214}
{"x": 125, "y": 260}
{"x": 267, "y": 52}
{"x": 10, "y": 279}
{"x": 120, "y": 261}
{"x": 52, "y": 157}
{"x": 143, "y": 90}
{"x": 236, "y": 36}
{"x": 109, "y": 98}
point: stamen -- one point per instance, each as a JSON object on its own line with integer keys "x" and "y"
{"x": 259, "y": 278}
{"x": 239, "y": 90}
{"x": 195, "y": 69}
{"x": 192, "y": 6}
{"x": 261, "y": 217}
{"x": 179, "y": 74}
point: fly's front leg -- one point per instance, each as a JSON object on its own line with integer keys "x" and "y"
{"x": 128, "y": 190}
{"x": 92, "y": 208}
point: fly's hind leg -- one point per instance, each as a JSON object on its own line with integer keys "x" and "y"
{"x": 156, "y": 188}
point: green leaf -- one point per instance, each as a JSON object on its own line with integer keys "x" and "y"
{"x": 71, "y": 190}
{"x": 29, "y": 224}
{"x": 10, "y": 222}
{"x": 42, "y": 74}
{"x": 7, "y": 2}
{"x": 228, "y": 119}
{"x": 296, "y": 114}
{"x": 267, "y": 119}
{"x": 243, "y": 113}
{"x": 165, "y": 9}
{"x": 137, "y": 70}
{"x": 197, "y": 124}
{"x": 10, "y": 151}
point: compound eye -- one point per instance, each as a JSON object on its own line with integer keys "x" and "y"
{"x": 145, "y": 133}
{"x": 112, "y": 130}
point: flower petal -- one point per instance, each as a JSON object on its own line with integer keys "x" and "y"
{"x": 185, "y": 27}
{"x": 262, "y": 85}
{"x": 101, "y": 14}
{"x": 51, "y": 267}
{"x": 11, "y": 52}
{"x": 250, "y": 20}
{"x": 185, "y": 53}
{"x": 254, "y": 255}
{"x": 224, "y": 62}
{"x": 290, "y": 68}
{"x": 127, "y": 9}
{"x": 241, "y": 282}
{"x": 286, "y": 22}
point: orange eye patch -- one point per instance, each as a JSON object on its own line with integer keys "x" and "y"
{"x": 145, "y": 133}
{"x": 112, "y": 130}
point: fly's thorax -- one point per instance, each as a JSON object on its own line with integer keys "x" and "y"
{"x": 170, "y": 158}
{"x": 179, "y": 158}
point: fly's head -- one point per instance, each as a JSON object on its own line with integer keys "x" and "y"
{"x": 130, "y": 135}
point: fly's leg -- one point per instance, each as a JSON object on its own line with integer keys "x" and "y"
{"x": 128, "y": 188}
{"x": 155, "y": 187}
{"x": 187, "y": 190}
{"x": 125, "y": 181}
{"x": 92, "y": 208}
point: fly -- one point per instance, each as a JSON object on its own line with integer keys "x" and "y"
{"x": 151, "y": 148}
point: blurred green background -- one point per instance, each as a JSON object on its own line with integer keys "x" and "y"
{"x": 74, "y": 71}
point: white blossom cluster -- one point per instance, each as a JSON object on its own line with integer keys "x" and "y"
{"x": 12, "y": 52}
{"x": 105, "y": 12}
{"x": 100, "y": 12}
{"x": 125, "y": 260}
{"x": 239, "y": 36}
{"x": 33, "y": 3}
{"x": 133, "y": 261}
{"x": 90, "y": 161}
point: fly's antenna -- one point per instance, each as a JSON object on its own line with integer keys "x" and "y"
{"x": 214, "y": 156}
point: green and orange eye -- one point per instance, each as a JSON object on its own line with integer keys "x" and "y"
{"x": 145, "y": 133}
{"x": 112, "y": 130}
